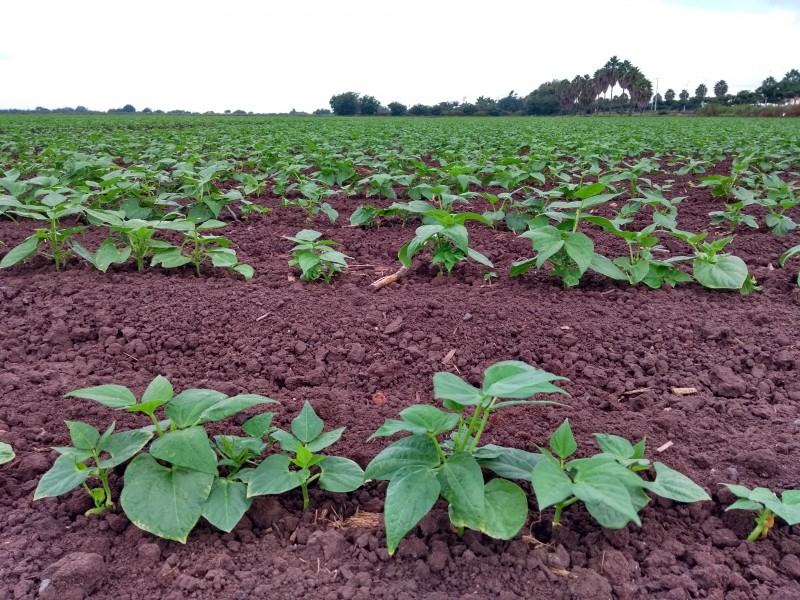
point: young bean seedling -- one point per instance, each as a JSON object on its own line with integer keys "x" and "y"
{"x": 302, "y": 465}
{"x": 6, "y": 453}
{"x": 315, "y": 257}
{"x": 420, "y": 467}
{"x": 606, "y": 483}
{"x": 768, "y": 506}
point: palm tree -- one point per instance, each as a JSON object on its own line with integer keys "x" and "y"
{"x": 564, "y": 95}
{"x": 641, "y": 93}
{"x": 720, "y": 88}
{"x": 701, "y": 92}
{"x": 669, "y": 95}
{"x": 584, "y": 90}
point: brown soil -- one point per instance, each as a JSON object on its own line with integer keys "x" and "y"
{"x": 360, "y": 357}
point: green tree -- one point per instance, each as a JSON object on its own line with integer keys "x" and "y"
{"x": 790, "y": 84}
{"x": 543, "y": 100}
{"x": 397, "y": 109}
{"x": 419, "y": 110}
{"x": 487, "y": 106}
{"x": 369, "y": 105}
{"x": 511, "y": 104}
{"x": 701, "y": 92}
{"x": 721, "y": 88}
{"x": 669, "y": 95}
{"x": 770, "y": 89}
{"x": 345, "y": 104}
{"x": 684, "y": 95}
{"x": 128, "y": 108}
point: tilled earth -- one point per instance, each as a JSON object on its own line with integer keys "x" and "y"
{"x": 360, "y": 357}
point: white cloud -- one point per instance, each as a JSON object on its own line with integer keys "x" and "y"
{"x": 274, "y": 56}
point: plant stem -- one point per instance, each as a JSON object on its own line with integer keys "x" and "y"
{"x": 764, "y": 521}
{"x": 304, "y": 487}
{"x": 561, "y": 506}
{"x": 482, "y": 425}
{"x": 442, "y": 457}
{"x": 103, "y": 474}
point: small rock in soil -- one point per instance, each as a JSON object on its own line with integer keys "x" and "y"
{"x": 266, "y": 511}
{"x": 75, "y": 575}
{"x": 726, "y": 383}
{"x": 331, "y": 542}
{"x": 589, "y": 585}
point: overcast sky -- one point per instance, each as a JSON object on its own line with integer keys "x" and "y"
{"x": 272, "y": 56}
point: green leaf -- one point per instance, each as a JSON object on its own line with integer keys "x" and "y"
{"x": 245, "y": 271}
{"x": 167, "y": 502}
{"x": 188, "y": 448}
{"x": 602, "y": 485}
{"x": 226, "y": 504}
{"x": 227, "y": 407}
{"x": 63, "y": 476}
{"x": 671, "y": 484}
{"x": 260, "y": 425}
{"x": 160, "y": 389}
{"x": 26, "y": 249}
{"x": 287, "y": 441}
{"x": 738, "y": 490}
{"x": 447, "y": 386}
{"x": 521, "y": 267}
{"x": 111, "y": 395}
{"x": 461, "y": 483}
{"x": 745, "y": 504}
{"x": 506, "y": 509}
{"x": 273, "y": 476}
{"x": 122, "y": 446}
{"x": 511, "y": 463}
{"x": 580, "y": 248}
{"x": 562, "y": 441}
{"x": 515, "y": 379}
{"x": 724, "y": 272}
{"x": 6, "y": 453}
{"x": 108, "y": 254}
{"x": 550, "y": 484}
{"x": 409, "y": 497}
{"x": 83, "y": 435}
{"x": 429, "y": 419}
{"x": 339, "y": 474}
{"x": 186, "y": 408}
{"x": 307, "y": 425}
{"x": 415, "y": 452}
{"x": 479, "y": 258}
{"x": 546, "y": 241}
{"x": 617, "y": 446}
{"x": 326, "y": 439}
{"x": 600, "y": 264}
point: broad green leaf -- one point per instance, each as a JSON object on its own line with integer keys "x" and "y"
{"x": 614, "y": 445}
{"x": 260, "y": 425}
{"x": 416, "y": 452}
{"x": 307, "y": 425}
{"x": 604, "y": 266}
{"x": 607, "y": 500}
{"x": 521, "y": 267}
{"x": 228, "y": 407}
{"x": 562, "y": 442}
{"x": 447, "y": 386}
{"x": 590, "y": 190}
{"x": 188, "y": 448}
{"x": 429, "y": 419}
{"x": 550, "y": 484}
{"x": 186, "y": 408}
{"x": 159, "y": 389}
{"x": 245, "y": 271}
{"x": 580, "y": 248}
{"x": 63, "y": 476}
{"x": 738, "y": 490}
{"x": 515, "y": 379}
{"x": 744, "y": 504}
{"x": 287, "y": 441}
{"x": 393, "y": 426}
{"x": 506, "y": 509}
{"x": 122, "y": 446}
{"x": 461, "y": 483}
{"x": 671, "y": 484}
{"x": 326, "y": 439}
{"x": 725, "y": 272}
{"x": 511, "y": 463}
{"x": 108, "y": 254}
{"x": 6, "y": 453}
{"x": 26, "y": 249}
{"x": 226, "y": 504}
{"x": 546, "y": 241}
{"x": 273, "y": 476}
{"x": 83, "y": 435}
{"x": 479, "y": 258}
{"x": 167, "y": 502}
{"x": 111, "y": 395}
{"x": 339, "y": 474}
{"x": 409, "y": 497}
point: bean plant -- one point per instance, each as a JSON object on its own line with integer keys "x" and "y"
{"x": 767, "y": 504}
{"x": 607, "y": 482}
{"x": 302, "y": 464}
{"x": 171, "y": 484}
{"x": 421, "y": 467}
{"x": 316, "y": 258}
{"x": 6, "y": 453}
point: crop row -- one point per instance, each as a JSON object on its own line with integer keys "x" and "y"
{"x": 175, "y": 473}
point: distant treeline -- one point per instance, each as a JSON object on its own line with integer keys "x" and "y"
{"x": 616, "y": 87}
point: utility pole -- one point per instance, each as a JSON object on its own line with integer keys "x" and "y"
{"x": 655, "y": 98}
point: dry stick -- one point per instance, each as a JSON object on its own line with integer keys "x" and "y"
{"x": 376, "y": 285}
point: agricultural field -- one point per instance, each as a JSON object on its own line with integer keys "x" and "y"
{"x": 202, "y": 365}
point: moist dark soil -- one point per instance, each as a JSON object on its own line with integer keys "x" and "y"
{"x": 360, "y": 357}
